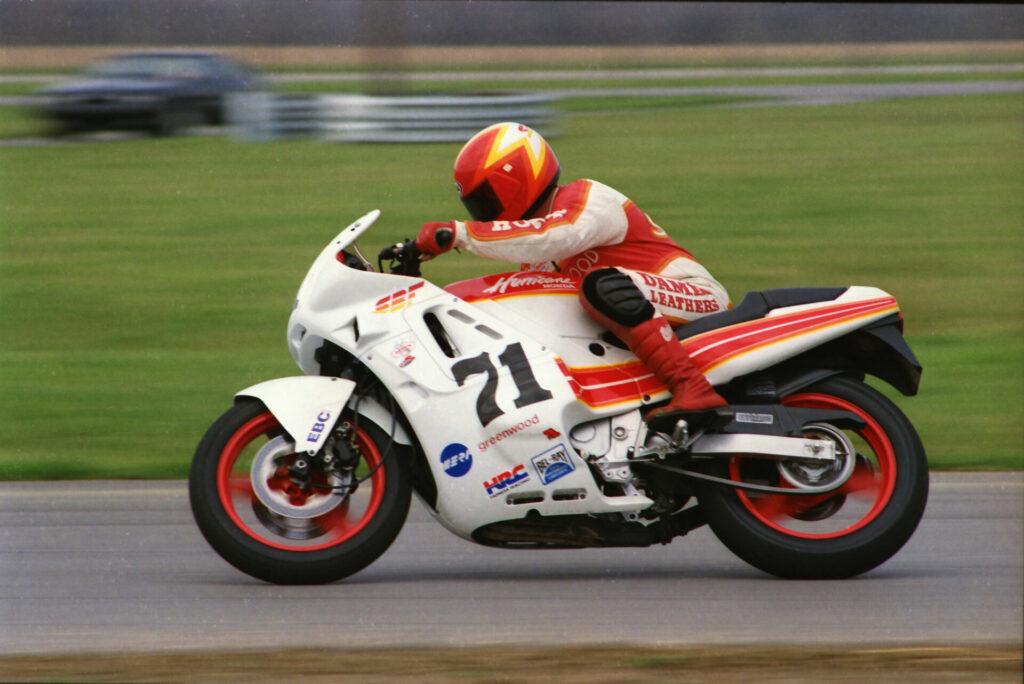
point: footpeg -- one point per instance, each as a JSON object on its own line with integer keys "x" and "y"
{"x": 681, "y": 433}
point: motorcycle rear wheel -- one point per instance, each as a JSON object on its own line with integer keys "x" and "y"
{"x": 257, "y": 519}
{"x": 841, "y": 534}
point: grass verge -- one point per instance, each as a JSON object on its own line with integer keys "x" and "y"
{"x": 142, "y": 282}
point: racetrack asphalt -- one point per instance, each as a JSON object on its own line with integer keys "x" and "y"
{"x": 120, "y": 567}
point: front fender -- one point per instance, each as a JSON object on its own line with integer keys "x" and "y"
{"x": 307, "y": 406}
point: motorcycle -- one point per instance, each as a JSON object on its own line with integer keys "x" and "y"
{"x": 519, "y": 422}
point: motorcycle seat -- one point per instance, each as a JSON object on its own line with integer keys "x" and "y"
{"x": 755, "y": 305}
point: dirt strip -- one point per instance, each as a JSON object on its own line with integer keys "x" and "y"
{"x": 30, "y": 57}
{"x": 570, "y": 665}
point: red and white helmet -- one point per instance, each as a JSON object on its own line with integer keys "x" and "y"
{"x": 504, "y": 172}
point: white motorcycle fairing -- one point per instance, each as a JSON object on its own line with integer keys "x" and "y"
{"x": 519, "y": 422}
{"x": 472, "y": 372}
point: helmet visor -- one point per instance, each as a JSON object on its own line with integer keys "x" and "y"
{"x": 483, "y": 204}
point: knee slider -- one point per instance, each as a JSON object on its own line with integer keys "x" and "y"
{"x": 613, "y": 294}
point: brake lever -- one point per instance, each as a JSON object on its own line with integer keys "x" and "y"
{"x": 389, "y": 254}
{"x": 407, "y": 256}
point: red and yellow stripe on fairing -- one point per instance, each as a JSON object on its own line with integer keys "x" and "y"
{"x": 630, "y": 382}
{"x": 605, "y": 386}
{"x": 717, "y": 347}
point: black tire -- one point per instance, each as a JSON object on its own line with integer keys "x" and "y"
{"x": 304, "y": 548}
{"x": 837, "y": 535}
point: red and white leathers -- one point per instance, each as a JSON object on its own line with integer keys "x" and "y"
{"x": 589, "y": 225}
{"x": 635, "y": 281}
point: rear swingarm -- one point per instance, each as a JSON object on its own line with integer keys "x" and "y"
{"x": 748, "y": 486}
{"x": 770, "y": 432}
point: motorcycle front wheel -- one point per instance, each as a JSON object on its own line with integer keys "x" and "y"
{"x": 847, "y": 531}
{"x": 251, "y": 511}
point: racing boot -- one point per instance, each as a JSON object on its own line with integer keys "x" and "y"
{"x": 693, "y": 397}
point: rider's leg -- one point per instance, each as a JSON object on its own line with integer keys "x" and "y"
{"x": 613, "y": 299}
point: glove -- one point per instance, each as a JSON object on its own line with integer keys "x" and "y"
{"x": 436, "y": 238}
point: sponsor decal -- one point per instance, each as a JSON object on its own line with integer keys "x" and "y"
{"x": 456, "y": 459}
{"x": 553, "y": 464}
{"x": 508, "y": 432}
{"x": 529, "y": 281}
{"x": 526, "y": 283}
{"x": 527, "y": 224}
{"x": 402, "y": 354}
{"x": 761, "y": 418}
{"x": 679, "y": 294}
{"x": 397, "y": 301}
{"x": 506, "y": 481}
{"x": 552, "y": 433}
{"x": 581, "y": 263}
{"x": 323, "y": 420}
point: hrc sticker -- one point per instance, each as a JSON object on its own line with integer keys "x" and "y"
{"x": 503, "y": 482}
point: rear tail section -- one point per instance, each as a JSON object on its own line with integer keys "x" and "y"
{"x": 857, "y": 329}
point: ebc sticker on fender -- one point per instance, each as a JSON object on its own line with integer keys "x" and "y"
{"x": 317, "y": 429}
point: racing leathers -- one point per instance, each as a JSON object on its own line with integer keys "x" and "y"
{"x": 635, "y": 280}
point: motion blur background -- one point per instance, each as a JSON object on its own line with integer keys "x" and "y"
{"x": 493, "y": 23}
{"x": 145, "y": 279}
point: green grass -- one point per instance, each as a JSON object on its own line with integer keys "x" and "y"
{"x": 143, "y": 282}
{"x": 22, "y": 122}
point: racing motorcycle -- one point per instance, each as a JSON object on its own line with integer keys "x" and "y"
{"x": 519, "y": 422}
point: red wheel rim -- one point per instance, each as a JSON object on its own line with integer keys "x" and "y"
{"x": 234, "y": 488}
{"x": 874, "y": 484}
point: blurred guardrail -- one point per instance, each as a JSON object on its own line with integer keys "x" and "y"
{"x": 383, "y": 118}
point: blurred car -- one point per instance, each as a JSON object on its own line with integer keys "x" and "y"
{"x": 161, "y": 92}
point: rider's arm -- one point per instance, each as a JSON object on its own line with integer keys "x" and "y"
{"x": 584, "y": 214}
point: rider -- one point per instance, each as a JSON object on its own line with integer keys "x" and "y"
{"x": 635, "y": 280}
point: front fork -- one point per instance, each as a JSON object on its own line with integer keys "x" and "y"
{"x": 335, "y": 462}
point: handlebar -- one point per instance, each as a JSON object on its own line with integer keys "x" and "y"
{"x": 403, "y": 259}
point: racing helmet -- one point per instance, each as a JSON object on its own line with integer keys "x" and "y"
{"x": 504, "y": 172}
